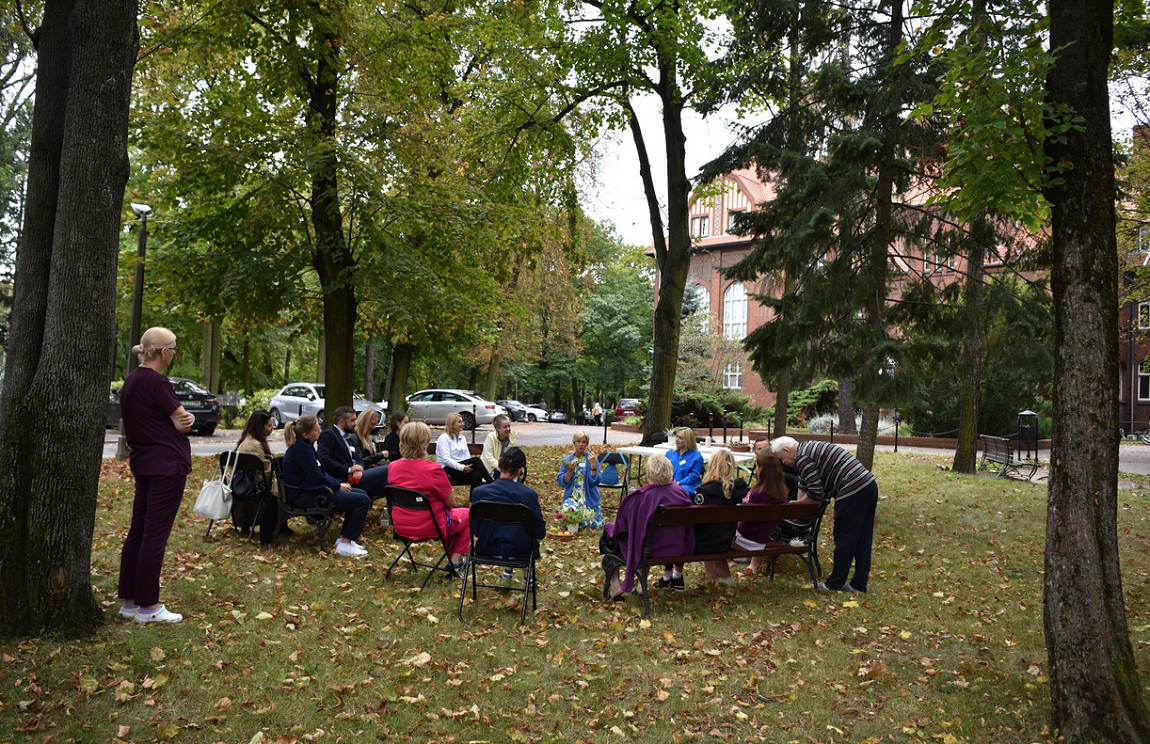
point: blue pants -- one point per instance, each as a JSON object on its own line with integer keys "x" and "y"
{"x": 354, "y": 504}
{"x": 373, "y": 481}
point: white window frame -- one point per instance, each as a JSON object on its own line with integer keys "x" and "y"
{"x": 1144, "y": 316}
{"x": 1144, "y": 380}
{"x": 731, "y": 219}
{"x": 735, "y": 311}
{"x": 700, "y": 226}
{"x": 733, "y": 376}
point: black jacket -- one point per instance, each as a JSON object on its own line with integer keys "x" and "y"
{"x": 333, "y": 453}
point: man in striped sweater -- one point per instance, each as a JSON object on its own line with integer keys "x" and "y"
{"x": 827, "y": 471}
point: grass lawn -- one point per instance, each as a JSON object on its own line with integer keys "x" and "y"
{"x": 287, "y": 645}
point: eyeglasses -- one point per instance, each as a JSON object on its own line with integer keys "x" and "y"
{"x": 172, "y": 349}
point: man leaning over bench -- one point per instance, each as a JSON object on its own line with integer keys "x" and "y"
{"x": 827, "y": 471}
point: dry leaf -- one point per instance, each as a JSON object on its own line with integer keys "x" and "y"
{"x": 418, "y": 660}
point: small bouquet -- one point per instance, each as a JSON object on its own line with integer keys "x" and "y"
{"x": 572, "y": 517}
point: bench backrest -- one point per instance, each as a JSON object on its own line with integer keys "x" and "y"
{"x": 670, "y": 516}
{"x": 997, "y": 447}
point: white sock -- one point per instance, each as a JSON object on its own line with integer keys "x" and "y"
{"x": 677, "y": 575}
{"x": 666, "y": 576}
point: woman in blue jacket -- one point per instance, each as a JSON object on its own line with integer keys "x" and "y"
{"x": 686, "y": 460}
{"x": 579, "y": 477}
{"x": 302, "y": 470}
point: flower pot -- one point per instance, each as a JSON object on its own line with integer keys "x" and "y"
{"x": 573, "y": 529}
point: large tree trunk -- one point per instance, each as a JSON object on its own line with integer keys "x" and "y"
{"x": 246, "y": 374}
{"x": 874, "y": 304}
{"x": 782, "y": 402}
{"x": 673, "y": 257}
{"x": 846, "y": 401}
{"x": 491, "y": 382}
{"x": 401, "y": 355}
{"x": 63, "y": 316}
{"x": 332, "y": 260}
{"x": 1095, "y": 691}
{"x": 966, "y": 452}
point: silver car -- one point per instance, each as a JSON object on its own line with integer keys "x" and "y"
{"x": 432, "y": 407}
{"x": 298, "y": 398}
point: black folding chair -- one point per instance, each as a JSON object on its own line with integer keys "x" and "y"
{"x": 494, "y": 513}
{"x": 408, "y": 498}
{"x": 614, "y": 472}
{"x": 320, "y": 514}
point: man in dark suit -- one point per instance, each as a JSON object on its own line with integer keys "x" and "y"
{"x": 335, "y": 455}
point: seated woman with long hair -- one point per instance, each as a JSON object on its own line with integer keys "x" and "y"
{"x": 721, "y": 486}
{"x": 417, "y": 473}
{"x": 770, "y": 488}
{"x": 621, "y": 544}
{"x": 362, "y": 446}
{"x": 456, "y": 460}
{"x": 399, "y": 419}
{"x": 301, "y": 469}
{"x": 254, "y": 441}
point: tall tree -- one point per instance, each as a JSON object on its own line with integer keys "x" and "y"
{"x": 1095, "y": 690}
{"x": 64, "y": 313}
{"x": 658, "y": 48}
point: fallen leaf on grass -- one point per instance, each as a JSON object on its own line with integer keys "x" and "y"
{"x": 223, "y": 704}
{"x": 418, "y": 660}
{"x": 850, "y": 603}
{"x": 264, "y": 616}
{"x": 157, "y": 653}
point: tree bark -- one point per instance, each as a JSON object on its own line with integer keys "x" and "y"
{"x": 966, "y": 451}
{"x": 287, "y": 367}
{"x": 846, "y": 401}
{"x": 321, "y": 361}
{"x": 332, "y": 259}
{"x": 868, "y": 432}
{"x": 63, "y": 316}
{"x": 246, "y": 375}
{"x": 491, "y": 383}
{"x": 401, "y": 355}
{"x": 672, "y": 257}
{"x": 782, "y": 402}
{"x": 1095, "y": 691}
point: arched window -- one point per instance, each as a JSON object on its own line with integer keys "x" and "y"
{"x": 735, "y": 311}
{"x": 698, "y": 300}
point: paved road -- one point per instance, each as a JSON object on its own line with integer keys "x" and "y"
{"x": 1132, "y": 458}
{"x": 527, "y": 435}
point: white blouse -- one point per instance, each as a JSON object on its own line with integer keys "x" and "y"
{"x": 450, "y": 452}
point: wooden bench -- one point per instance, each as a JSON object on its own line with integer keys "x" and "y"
{"x": 807, "y": 517}
{"x": 1001, "y": 450}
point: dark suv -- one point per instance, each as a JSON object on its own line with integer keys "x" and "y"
{"x": 196, "y": 400}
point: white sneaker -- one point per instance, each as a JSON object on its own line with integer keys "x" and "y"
{"x": 127, "y": 612}
{"x": 161, "y": 615}
{"x": 361, "y": 547}
{"x": 349, "y": 549}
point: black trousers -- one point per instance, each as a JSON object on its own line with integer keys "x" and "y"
{"x": 477, "y": 477}
{"x": 854, "y": 536}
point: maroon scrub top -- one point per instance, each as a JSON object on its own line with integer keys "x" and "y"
{"x": 147, "y": 402}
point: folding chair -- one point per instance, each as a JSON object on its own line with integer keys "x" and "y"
{"x": 614, "y": 472}
{"x": 320, "y": 514}
{"x": 494, "y": 513}
{"x": 408, "y": 498}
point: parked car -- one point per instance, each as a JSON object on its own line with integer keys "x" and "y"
{"x": 516, "y": 411}
{"x": 556, "y": 417}
{"x": 626, "y": 407}
{"x": 432, "y": 407}
{"x": 524, "y": 412}
{"x": 298, "y": 398}
{"x": 195, "y": 399}
{"x": 199, "y": 402}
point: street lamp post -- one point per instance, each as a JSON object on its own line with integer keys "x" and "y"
{"x": 142, "y": 211}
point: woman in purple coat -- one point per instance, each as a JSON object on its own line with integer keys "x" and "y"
{"x": 622, "y": 542}
{"x": 160, "y": 458}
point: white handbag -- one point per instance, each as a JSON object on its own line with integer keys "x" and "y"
{"x": 215, "y": 499}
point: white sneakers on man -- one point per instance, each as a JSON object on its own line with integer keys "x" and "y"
{"x": 351, "y": 548}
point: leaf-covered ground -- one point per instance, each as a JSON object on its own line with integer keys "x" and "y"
{"x": 289, "y": 645}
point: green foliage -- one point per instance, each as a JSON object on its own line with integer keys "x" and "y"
{"x": 1017, "y": 368}
{"x": 805, "y": 404}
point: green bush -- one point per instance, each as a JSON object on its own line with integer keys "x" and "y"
{"x": 238, "y": 418}
{"x": 803, "y": 405}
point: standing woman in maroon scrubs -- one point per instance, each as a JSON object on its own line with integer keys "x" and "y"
{"x": 161, "y": 458}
